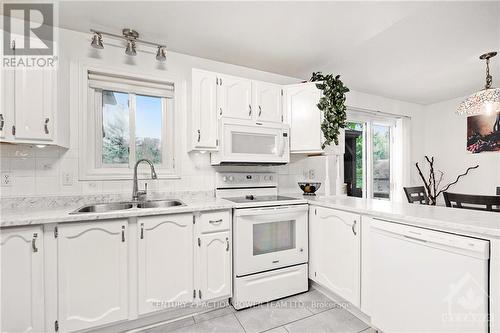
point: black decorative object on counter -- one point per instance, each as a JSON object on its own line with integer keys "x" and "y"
{"x": 309, "y": 188}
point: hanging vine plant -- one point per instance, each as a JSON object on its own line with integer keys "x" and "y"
{"x": 332, "y": 104}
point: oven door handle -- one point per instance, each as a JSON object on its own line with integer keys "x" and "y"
{"x": 271, "y": 210}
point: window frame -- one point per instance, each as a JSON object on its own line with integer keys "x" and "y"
{"x": 90, "y": 134}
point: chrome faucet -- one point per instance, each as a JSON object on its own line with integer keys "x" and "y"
{"x": 136, "y": 194}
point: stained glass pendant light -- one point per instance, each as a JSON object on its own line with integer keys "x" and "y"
{"x": 484, "y": 101}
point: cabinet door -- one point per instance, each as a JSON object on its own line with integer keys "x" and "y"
{"x": 34, "y": 104}
{"x": 204, "y": 110}
{"x": 165, "y": 254}
{"x": 234, "y": 97}
{"x": 303, "y": 117}
{"x": 215, "y": 265}
{"x": 92, "y": 274}
{"x": 22, "y": 297}
{"x": 267, "y": 101}
{"x": 338, "y": 266}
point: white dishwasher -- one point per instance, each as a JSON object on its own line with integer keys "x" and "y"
{"x": 423, "y": 280}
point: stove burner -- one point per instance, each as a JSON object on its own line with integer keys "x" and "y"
{"x": 249, "y": 197}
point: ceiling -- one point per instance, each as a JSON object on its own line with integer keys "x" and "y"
{"x": 421, "y": 52}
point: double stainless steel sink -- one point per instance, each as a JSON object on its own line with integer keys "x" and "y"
{"x": 114, "y": 206}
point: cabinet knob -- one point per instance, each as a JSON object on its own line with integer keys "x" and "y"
{"x": 46, "y": 125}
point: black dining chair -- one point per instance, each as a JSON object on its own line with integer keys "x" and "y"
{"x": 416, "y": 194}
{"x": 478, "y": 202}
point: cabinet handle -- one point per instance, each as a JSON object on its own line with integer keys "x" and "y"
{"x": 33, "y": 242}
{"x": 13, "y": 129}
{"x": 227, "y": 244}
{"x": 275, "y": 261}
{"x": 249, "y": 110}
{"x": 2, "y": 122}
{"x": 220, "y": 111}
{"x": 142, "y": 230}
{"x": 199, "y": 135}
{"x": 123, "y": 233}
{"x": 215, "y": 221}
{"x": 220, "y": 81}
{"x": 46, "y": 125}
{"x": 260, "y": 110}
{"x": 354, "y": 228}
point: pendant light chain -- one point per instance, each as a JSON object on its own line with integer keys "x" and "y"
{"x": 489, "y": 78}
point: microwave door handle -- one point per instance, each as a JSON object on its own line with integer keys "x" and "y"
{"x": 282, "y": 150}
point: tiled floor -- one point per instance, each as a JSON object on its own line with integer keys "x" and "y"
{"x": 310, "y": 312}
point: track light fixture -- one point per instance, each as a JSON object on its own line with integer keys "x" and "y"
{"x": 132, "y": 38}
{"x": 97, "y": 41}
{"x": 161, "y": 54}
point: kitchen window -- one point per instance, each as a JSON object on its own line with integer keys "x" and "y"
{"x": 127, "y": 118}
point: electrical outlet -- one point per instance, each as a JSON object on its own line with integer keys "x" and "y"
{"x": 312, "y": 173}
{"x": 6, "y": 179}
{"x": 67, "y": 179}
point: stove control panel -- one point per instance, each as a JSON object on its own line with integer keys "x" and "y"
{"x": 245, "y": 179}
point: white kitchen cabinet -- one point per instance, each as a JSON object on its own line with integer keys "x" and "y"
{"x": 234, "y": 97}
{"x": 303, "y": 117}
{"x": 165, "y": 261}
{"x": 204, "y": 114}
{"x": 92, "y": 274}
{"x": 34, "y": 104}
{"x": 215, "y": 265}
{"x": 267, "y": 102}
{"x": 335, "y": 251}
{"x": 22, "y": 290}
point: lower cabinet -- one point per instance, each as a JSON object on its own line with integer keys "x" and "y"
{"x": 103, "y": 272}
{"x": 215, "y": 265}
{"x": 335, "y": 251}
{"x": 92, "y": 274}
{"x": 165, "y": 261}
{"x": 22, "y": 290}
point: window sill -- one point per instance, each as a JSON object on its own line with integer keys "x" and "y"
{"x": 126, "y": 174}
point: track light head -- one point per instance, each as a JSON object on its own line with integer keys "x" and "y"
{"x": 130, "y": 50}
{"x": 161, "y": 54}
{"x": 97, "y": 41}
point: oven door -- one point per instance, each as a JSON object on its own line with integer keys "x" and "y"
{"x": 269, "y": 237}
{"x": 259, "y": 143}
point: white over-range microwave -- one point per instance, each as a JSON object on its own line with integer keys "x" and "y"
{"x": 259, "y": 143}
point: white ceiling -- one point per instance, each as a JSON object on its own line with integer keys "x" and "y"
{"x": 421, "y": 52}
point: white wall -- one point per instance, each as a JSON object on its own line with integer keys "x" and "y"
{"x": 39, "y": 172}
{"x": 445, "y": 138}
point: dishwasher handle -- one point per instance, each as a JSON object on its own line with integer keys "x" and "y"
{"x": 478, "y": 248}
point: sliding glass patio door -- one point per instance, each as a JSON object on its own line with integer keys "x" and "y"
{"x": 368, "y": 157}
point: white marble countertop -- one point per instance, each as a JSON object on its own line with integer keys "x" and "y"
{"x": 26, "y": 216}
{"x": 463, "y": 221}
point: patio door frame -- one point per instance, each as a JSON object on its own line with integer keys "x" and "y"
{"x": 368, "y": 120}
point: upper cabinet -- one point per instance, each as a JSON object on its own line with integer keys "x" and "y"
{"x": 29, "y": 111}
{"x": 217, "y": 96}
{"x": 267, "y": 102}
{"x": 203, "y": 131}
{"x": 234, "y": 97}
{"x": 304, "y": 117}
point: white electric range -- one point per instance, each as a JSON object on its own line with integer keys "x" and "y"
{"x": 270, "y": 238}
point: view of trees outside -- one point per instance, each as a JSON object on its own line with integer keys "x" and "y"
{"x": 359, "y": 153}
{"x": 116, "y": 130}
{"x": 148, "y": 123}
{"x": 381, "y": 161}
